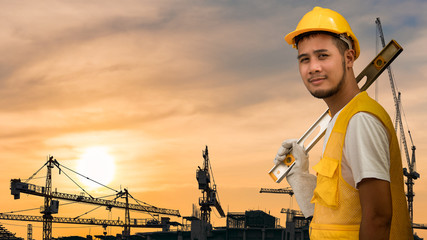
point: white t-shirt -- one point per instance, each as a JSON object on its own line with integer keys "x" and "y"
{"x": 366, "y": 149}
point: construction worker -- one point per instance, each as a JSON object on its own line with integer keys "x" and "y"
{"x": 358, "y": 191}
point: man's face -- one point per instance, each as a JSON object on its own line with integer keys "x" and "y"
{"x": 321, "y": 65}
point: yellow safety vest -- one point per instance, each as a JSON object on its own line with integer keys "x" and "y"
{"x": 337, "y": 212}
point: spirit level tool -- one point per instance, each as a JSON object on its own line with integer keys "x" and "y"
{"x": 371, "y": 72}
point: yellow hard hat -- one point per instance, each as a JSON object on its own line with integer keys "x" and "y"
{"x": 323, "y": 19}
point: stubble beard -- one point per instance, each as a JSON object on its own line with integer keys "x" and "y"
{"x": 322, "y": 94}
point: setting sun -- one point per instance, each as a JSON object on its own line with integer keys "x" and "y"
{"x": 97, "y": 164}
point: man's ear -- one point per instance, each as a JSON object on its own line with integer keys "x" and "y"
{"x": 350, "y": 56}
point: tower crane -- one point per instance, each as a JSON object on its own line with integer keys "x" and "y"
{"x": 411, "y": 174}
{"x": 287, "y": 190}
{"x": 209, "y": 191}
{"x": 51, "y": 205}
{"x": 292, "y": 212}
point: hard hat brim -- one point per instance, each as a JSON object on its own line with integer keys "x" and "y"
{"x": 290, "y": 38}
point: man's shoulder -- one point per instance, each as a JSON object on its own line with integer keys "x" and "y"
{"x": 367, "y": 104}
{"x": 365, "y": 123}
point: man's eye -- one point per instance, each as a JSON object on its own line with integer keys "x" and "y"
{"x": 302, "y": 60}
{"x": 321, "y": 56}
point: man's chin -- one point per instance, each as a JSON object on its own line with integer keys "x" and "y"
{"x": 322, "y": 94}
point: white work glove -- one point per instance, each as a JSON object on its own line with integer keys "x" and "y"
{"x": 301, "y": 181}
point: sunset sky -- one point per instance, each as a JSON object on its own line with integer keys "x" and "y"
{"x": 148, "y": 84}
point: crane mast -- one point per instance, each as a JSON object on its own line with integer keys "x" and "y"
{"x": 47, "y": 213}
{"x": 412, "y": 174}
{"x": 126, "y": 231}
{"x": 395, "y": 98}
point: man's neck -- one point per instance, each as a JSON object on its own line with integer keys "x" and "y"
{"x": 340, "y": 99}
{"x": 338, "y": 104}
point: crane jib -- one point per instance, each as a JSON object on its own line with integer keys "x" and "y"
{"x": 17, "y": 187}
{"x": 371, "y": 72}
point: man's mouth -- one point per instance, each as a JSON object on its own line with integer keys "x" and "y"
{"x": 317, "y": 79}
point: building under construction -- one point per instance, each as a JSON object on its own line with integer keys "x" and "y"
{"x": 246, "y": 225}
{"x": 249, "y": 225}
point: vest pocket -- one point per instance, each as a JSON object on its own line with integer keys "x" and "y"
{"x": 326, "y": 191}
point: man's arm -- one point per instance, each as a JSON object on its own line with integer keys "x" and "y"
{"x": 377, "y": 209}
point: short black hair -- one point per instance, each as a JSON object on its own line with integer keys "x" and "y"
{"x": 340, "y": 44}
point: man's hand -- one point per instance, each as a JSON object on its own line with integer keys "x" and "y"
{"x": 377, "y": 209}
{"x": 290, "y": 146}
{"x": 301, "y": 181}
{"x": 284, "y": 150}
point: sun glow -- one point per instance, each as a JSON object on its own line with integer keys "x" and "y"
{"x": 97, "y": 164}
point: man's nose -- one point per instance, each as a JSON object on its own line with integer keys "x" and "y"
{"x": 315, "y": 66}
